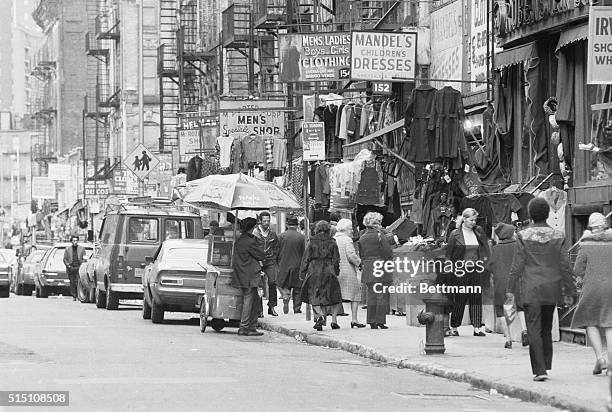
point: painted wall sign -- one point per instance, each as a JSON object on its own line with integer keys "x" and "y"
{"x": 383, "y": 56}
{"x": 447, "y": 44}
{"x": 599, "y": 66}
{"x": 256, "y": 119}
{"x": 478, "y": 45}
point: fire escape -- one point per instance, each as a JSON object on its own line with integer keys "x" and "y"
{"x": 239, "y": 43}
{"x": 168, "y": 73}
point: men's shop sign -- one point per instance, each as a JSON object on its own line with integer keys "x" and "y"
{"x": 510, "y": 15}
{"x": 315, "y": 57}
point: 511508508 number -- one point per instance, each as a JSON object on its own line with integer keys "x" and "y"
{"x": 34, "y": 398}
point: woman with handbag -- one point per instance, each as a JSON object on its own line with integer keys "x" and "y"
{"x": 350, "y": 279}
{"x": 373, "y": 247}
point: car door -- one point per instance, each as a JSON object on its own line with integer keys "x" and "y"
{"x": 142, "y": 239}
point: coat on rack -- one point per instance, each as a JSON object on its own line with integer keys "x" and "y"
{"x": 418, "y": 112}
{"x": 446, "y": 122}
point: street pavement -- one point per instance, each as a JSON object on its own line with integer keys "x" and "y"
{"x": 481, "y": 361}
{"x": 116, "y": 361}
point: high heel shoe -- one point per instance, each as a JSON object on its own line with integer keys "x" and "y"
{"x": 334, "y": 325}
{"x": 357, "y": 325}
{"x": 600, "y": 365}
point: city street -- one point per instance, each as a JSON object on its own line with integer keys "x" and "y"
{"x": 117, "y": 361}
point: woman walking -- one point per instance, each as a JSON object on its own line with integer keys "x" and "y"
{"x": 594, "y": 310}
{"x": 539, "y": 275}
{"x": 350, "y": 282}
{"x": 467, "y": 243}
{"x": 373, "y": 246}
{"x": 320, "y": 269}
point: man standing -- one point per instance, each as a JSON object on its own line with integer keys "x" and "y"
{"x": 73, "y": 257}
{"x": 291, "y": 249}
{"x": 246, "y": 276}
{"x": 268, "y": 241}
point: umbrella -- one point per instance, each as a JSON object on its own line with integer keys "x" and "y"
{"x": 238, "y": 192}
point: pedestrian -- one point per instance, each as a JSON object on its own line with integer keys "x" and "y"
{"x": 268, "y": 241}
{"x": 290, "y": 253}
{"x": 246, "y": 275}
{"x": 373, "y": 246}
{"x": 136, "y": 163}
{"x": 350, "y": 275}
{"x": 501, "y": 261}
{"x": 594, "y": 310}
{"x": 467, "y": 243}
{"x": 144, "y": 160}
{"x": 334, "y": 218}
{"x": 73, "y": 257}
{"x": 319, "y": 271}
{"x": 539, "y": 275}
{"x": 214, "y": 229}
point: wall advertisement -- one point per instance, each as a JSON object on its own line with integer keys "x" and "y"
{"x": 447, "y": 44}
{"x": 599, "y": 66}
{"x": 383, "y": 56}
{"x": 478, "y": 45}
{"x": 196, "y": 134}
{"x": 315, "y": 56}
{"x": 244, "y": 118}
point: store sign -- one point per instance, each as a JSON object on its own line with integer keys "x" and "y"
{"x": 478, "y": 45}
{"x": 447, "y": 43}
{"x": 313, "y": 141}
{"x": 161, "y": 177}
{"x": 197, "y": 133}
{"x": 97, "y": 190}
{"x": 43, "y": 188}
{"x": 599, "y": 66}
{"x": 383, "y": 88}
{"x": 60, "y": 172}
{"x": 124, "y": 182}
{"x": 315, "y": 57}
{"x": 383, "y": 56}
{"x": 244, "y": 118}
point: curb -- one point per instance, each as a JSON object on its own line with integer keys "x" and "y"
{"x": 486, "y": 383}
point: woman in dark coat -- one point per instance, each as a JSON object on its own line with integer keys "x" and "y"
{"x": 320, "y": 270}
{"x": 594, "y": 310}
{"x": 373, "y": 246}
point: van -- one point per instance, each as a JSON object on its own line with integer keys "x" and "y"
{"x": 127, "y": 236}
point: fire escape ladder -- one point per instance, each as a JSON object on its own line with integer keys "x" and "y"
{"x": 168, "y": 73}
{"x": 239, "y": 48}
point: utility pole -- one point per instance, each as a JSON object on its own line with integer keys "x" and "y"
{"x": 141, "y": 81}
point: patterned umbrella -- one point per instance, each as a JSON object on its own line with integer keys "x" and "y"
{"x": 238, "y": 192}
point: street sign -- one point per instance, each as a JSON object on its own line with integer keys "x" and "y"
{"x": 313, "y": 141}
{"x": 141, "y": 161}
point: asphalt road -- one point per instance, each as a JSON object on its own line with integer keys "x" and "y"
{"x": 116, "y": 361}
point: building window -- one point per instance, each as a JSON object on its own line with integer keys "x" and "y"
{"x": 150, "y": 76}
{"x": 149, "y": 15}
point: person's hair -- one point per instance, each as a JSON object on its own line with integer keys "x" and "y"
{"x": 73, "y": 237}
{"x": 263, "y": 214}
{"x": 213, "y": 223}
{"x": 466, "y": 214}
{"x": 247, "y": 224}
{"x": 538, "y": 209}
{"x": 322, "y": 227}
{"x": 344, "y": 226}
{"x": 335, "y": 217}
{"x": 292, "y": 221}
{"x": 372, "y": 219}
{"x": 181, "y": 170}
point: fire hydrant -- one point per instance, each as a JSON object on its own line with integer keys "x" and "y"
{"x": 433, "y": 317}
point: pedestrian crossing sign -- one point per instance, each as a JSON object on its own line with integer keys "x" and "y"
{"x": 141, "y": 161}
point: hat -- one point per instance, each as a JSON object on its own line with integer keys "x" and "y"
{"x": 597, "y": 219}
{"x": 292, "y": 221}
{"x": 504, "y": 231}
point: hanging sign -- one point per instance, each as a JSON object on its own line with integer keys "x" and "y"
{"x": 383, "y": 88}
{"x": 315, "y": 57}
{"x": 245, "y": 118}
{"x": 313, "y": 141}
{"x": 97, "y": 190}
{"x": 599, "y": 66}
{"x": 478, "y": 45}
{"x": 197, "y": 133}
{"x": 383, "y": 56}
{"x": 447, "y": 44}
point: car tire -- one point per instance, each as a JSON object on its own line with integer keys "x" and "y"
{"x": 42, "y": 292}
{"x": 100, "y": 298}
{"x": 157, "y": 313}
{"x": 112, "y": 300}
{"x": 146, "y": 307}
{"x": 5, "y": 292}
{"x": 217, "y": 324}
{"x": 203, "y": 317}
{"x": 27, "y": 290}
{"x": 82, "y": 292}
{"x": 91, "y": 292}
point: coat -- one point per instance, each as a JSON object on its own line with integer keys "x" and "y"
{"x": 246, "y": 268}
{"x": 594, "y": 262}
{"x": 269, "y": 244}
{"x": 68, "y": 256}
{"x": 418, "y": 112}
{"x": 446, "y": 121}
{"x": 455, "y": 251}
{"x": 350, "y": 282}
{"x": 540, "y": 271}
{"x": 291, "y": 250}
{"x": 320, "y": 268}
{"x": 373, "y": 246}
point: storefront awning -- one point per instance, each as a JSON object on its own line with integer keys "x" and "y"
{"x": 352, "y": 149}
{"x": 572, "y": 35}
{"x": 516, "y": 55}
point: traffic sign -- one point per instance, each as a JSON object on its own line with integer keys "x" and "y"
{"x": 141, "y": 161}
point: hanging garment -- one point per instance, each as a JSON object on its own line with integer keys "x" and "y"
{"x": 418, "y": 112}
{"x": 381, "y": 115}
{"x": 333, "y": 145}
{"x": 210, "y": 166}
{"x": 367, "y": 113}
{"x": 269, "y": 156}
{"x": 353, "y": 120}
{"x": 322, "y": 188}
{"x": 557, "y": 200}
{"x": 502, "y": 206}
{"x": 279, "y": 154}
{"x": 485, "y": 214}
{"x": 194, "y": 168}
{"x": 524, "y": 199}
{"x": 253, "y": 150}
{"x": 236, "y": 156}
{"x": 368, "y": 192}
{"x": 225, "y": 150}
{"x": 446, "y": 122}
{"x": 338, "y": 120}
{"x": 343, "y": 132}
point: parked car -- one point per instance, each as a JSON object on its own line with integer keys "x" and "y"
{"x": 174, "y": 278}
{"x": 23, "y": 279}
{"x": 127, "y": 236}
{"x": 51, "y": 276}
{"x": 5, "y": 277}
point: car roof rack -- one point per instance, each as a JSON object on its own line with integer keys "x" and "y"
{"x": 152, "y": 204}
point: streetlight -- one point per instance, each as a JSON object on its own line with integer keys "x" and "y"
{"x": 13, "y": 159}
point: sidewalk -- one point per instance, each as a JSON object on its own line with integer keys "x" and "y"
{"x": 480, "y": 361}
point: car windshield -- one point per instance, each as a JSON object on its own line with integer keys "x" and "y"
{"x": 186, "y": 257}
{"x": 56, "y": 260}
{"x": 35, "y": 257}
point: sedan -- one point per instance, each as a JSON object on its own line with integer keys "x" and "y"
{"x": 51, "y": 276}
{"x": 24, "y": 278}
{"x": 5, "y": 279}
{"x": 174, "y": 278}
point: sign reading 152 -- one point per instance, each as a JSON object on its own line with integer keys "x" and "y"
{"x": 381, "y": 87}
